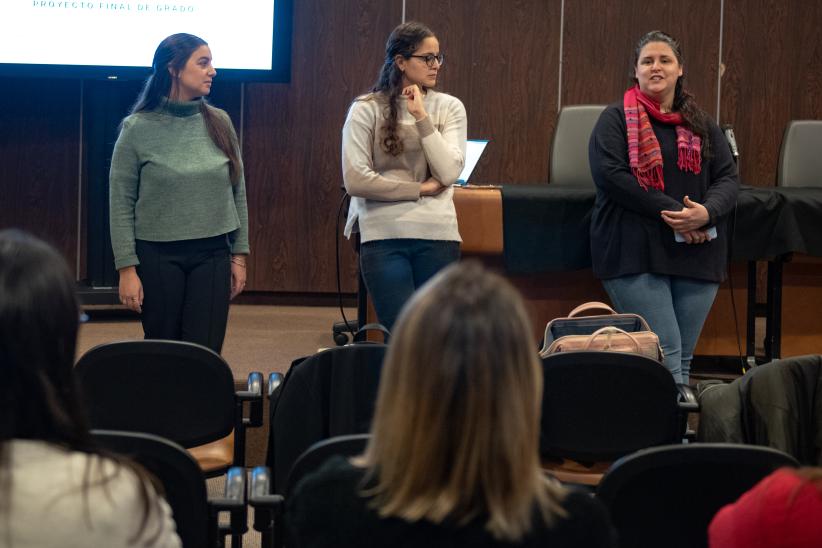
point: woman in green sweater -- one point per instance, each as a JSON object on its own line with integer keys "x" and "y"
{"x": 179, "y": 223}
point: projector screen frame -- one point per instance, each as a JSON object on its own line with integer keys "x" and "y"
{"x": 280, "y": 58}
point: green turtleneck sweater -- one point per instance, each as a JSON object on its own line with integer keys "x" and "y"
{"x": 170, "y": 182}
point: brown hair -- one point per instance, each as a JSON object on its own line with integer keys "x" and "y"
{"x": 173, "y": 53}
{"x": 684, "y": 103}
{"x": 456, "y": 429}
{"x": 403, "y": 41}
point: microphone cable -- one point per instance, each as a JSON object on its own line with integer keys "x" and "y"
{"x": 730, "y": 138}
{"x": 351, "y": 329}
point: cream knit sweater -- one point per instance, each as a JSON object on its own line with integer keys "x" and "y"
{"x": 385, "y": 189}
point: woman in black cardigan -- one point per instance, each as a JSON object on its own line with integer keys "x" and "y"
{"x": 666, "y": 184}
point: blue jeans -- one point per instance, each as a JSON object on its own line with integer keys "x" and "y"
{"x": 675, "y": 307}
{"x": 394, "y": 269}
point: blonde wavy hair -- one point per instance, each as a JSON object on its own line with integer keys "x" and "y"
{"x": 456, "y": 428}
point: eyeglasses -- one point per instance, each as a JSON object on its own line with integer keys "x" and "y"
{"x": 429, "y": 59}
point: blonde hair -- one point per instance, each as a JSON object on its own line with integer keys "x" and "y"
{"x": 456, "y": 428}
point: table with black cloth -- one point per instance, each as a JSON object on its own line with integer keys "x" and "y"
{"x": 545, "y": 229}
{"x": 774, "y": 221}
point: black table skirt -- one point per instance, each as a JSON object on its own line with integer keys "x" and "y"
{"x": 546, "y": 227}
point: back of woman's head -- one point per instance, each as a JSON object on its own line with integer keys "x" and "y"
{"x": 38, "y": 336}
{"x": 456, "y": 428}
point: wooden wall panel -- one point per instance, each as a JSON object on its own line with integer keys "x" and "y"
{"x": 292, "y": 143}
{"x": 599, "y": 38}
{"x": 502, "y": 61}
{"x": 39, "y": 159}
{"x": 773, "y": 56}
{"x": 228, "y": 96}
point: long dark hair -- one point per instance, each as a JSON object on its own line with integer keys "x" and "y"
{"x": 684, "y": 103}
{"x": 170, "y": 58}
{"x": 39, "y": 397}
{"x": 403, "y": 40}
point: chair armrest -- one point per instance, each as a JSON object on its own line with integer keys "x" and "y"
{"x": 234, "y": 494}
{"x": 254, "y": 396}
{"x": 233, "y": 501}
{"x": 268, "y": 508}
{"x": 260, "y": 495}
{"x": 275, "y": 380}
{"x": 687, "y": 399}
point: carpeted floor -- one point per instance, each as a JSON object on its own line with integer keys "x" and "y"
{"x": 259, "y": 338}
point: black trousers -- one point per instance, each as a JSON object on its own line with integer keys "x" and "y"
{"x": 186, "y": 289}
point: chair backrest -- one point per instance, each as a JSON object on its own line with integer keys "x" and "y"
{"x": 800, "y": 160}
{"x": 178, "y": 390}
{"x": 599, "y": 406}
{"x": 667, "y": 496}
{"x": 177, "y": 472}
{"x": 331, "y": 393}
{"x": 317, "y": 454}
{"x": 569, "y": 149}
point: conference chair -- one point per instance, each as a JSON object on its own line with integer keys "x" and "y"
{"x": 178, "y": 390}
{"x": 800, "y": 161}
{"x": 195, "y": 515}
{"x": 599, "y": 406}
{"x": 268, "y": 507}
{"x": 667, "y": 496}
{"x": 569, "y": 149}
{"x": 799, "y": 177}
{"x": 329, "y": 394}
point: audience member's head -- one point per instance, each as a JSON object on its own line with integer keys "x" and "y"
{"x": 39, "y": 316}
{"x": 784, "y": 510}
{"x": 456, "y": 429}
{"x": 43, "y": 430}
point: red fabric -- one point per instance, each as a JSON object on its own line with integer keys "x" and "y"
{"x": 644, "y": 154}
{"x": 781, "y": 511}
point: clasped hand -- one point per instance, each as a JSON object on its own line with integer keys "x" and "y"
{"x": 688, "y": 221}
{"x": 413, "y": 94}
{"x": 431, "y": 187}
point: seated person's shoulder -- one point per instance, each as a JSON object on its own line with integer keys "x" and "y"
{"x": 337, "y": 473}
{"x": 586, "y": 523}
{"x": 86, "y": 498}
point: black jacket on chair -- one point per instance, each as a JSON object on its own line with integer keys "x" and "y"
{"x": 331, "y": 393}
{"x": 778, "y": 404}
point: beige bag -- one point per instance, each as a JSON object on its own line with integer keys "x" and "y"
{"x": 610, "y": 332}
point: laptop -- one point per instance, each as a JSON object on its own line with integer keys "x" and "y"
{"x": 473, "y": 150}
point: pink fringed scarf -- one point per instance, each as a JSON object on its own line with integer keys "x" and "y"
{"x": 644, "y": 153}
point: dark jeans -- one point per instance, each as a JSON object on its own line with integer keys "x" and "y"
{"x": 186, "y": 288}
{"x": 394, "y": 269}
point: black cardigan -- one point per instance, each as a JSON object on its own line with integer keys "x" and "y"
{"x": 326, "y": 510}
{"x": 628, "y": 235}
